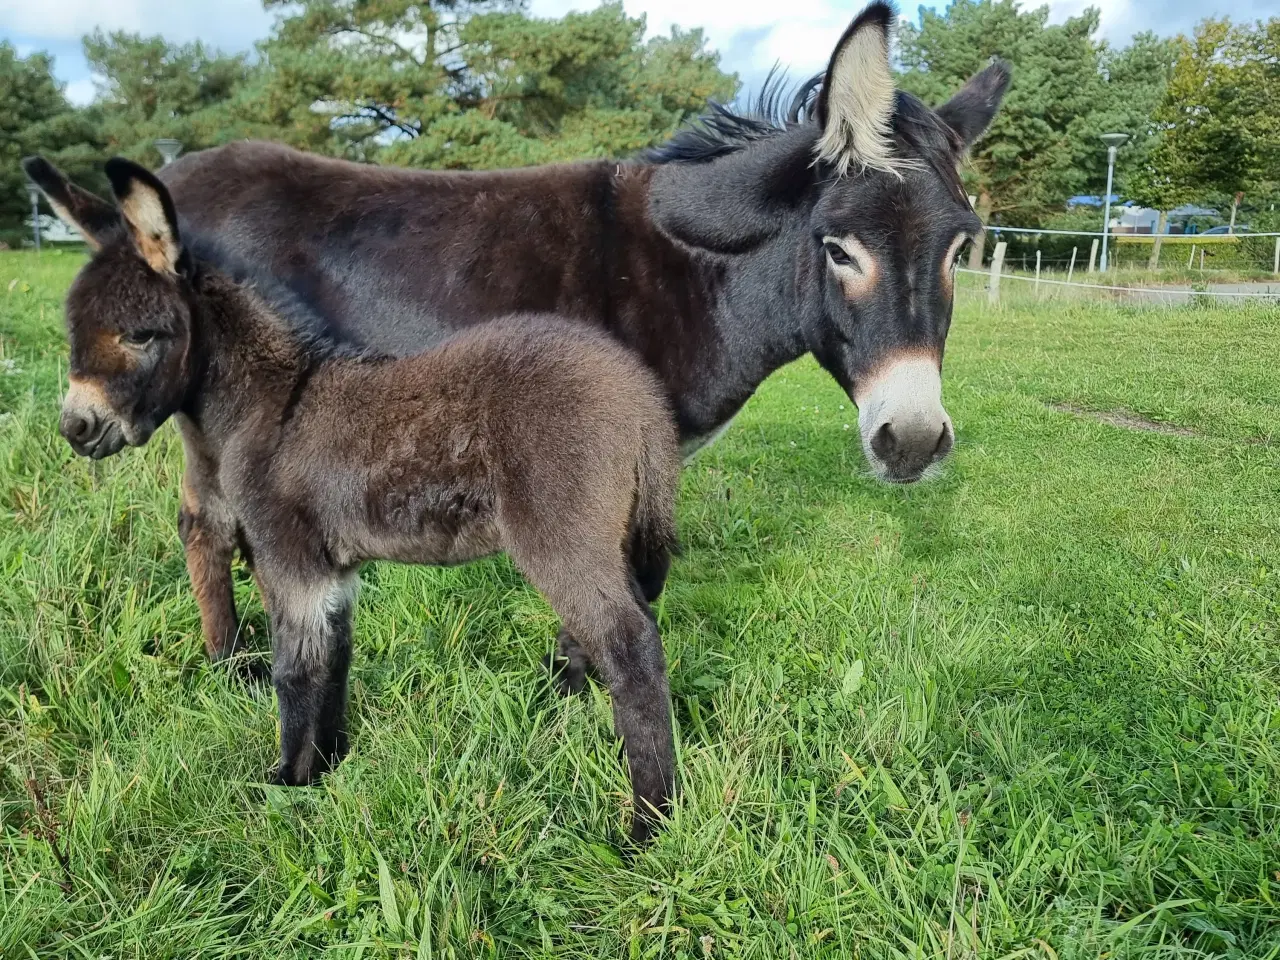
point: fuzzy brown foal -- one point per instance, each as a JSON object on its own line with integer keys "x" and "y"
{"x": 526, "y": 436}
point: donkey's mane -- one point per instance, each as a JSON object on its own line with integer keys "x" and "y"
{"x": 721, "y": 130}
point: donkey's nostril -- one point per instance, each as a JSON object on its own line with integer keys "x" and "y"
{"x": 77, "y": 427}
{"x": 883, "y": 442}
{"x": 945, "y": 441}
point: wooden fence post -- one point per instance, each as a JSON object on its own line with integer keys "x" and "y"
{"x": 997, "y": 263}
{"x": 1072, "y": 269}
{"x": 1093, "y": 254}
{"x": 1275, "y": 266}
{"x": 1191, "y": 260}
{"x": 1037, "y": 274}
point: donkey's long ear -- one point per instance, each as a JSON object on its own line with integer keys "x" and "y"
{"x": 855, "y": 105}
{"x": 80, "y": 209}
{"x": 970, "y": 111}
{"x": 148, "y": 212}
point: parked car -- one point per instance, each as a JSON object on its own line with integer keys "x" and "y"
{"x": 1218, "y": 231}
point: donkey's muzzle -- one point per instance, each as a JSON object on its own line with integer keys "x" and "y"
{"x": 905, "y": 429}
{"x": 906, "y": 450}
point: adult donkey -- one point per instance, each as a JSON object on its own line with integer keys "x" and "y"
{"x": 738, "y": 246}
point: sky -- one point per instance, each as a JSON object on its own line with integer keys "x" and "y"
{"x": 750, "y": 35}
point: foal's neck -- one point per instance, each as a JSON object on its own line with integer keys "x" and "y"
{"x": 247, "y": 360}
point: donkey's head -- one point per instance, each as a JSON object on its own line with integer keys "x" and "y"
{"x": 128, "y": 310}
{"x": 855, "y": 205}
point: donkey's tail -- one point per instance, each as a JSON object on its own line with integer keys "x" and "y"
{"x": 653, "y": 533}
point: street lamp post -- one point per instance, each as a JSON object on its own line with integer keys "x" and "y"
{"x": 169, "y": 149}
{"x": 1114, "y": 142}
{"x": 34, "y": 193}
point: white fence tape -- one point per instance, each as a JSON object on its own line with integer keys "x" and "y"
{"x": 1156, "y": 291}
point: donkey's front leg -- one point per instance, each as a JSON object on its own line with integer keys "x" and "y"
{"x": 209, "y": 551}
{"x": 311, "y": 639}
{"x": 207, "y": 528}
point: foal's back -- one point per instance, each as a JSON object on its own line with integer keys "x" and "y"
{"x": 443, "y": 452}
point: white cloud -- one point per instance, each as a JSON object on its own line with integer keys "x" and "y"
{"x": 1121, "y": 19}
{"x": 752, "y": 34}
{"x": 229, "y": 24}
{"x": 81, "y": 92}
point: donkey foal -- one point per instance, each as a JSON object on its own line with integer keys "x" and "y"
{"x": 524, "y": 435}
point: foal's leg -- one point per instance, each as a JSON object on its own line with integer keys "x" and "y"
{"x": 632, "y": 661}
{"x": 617, "y": 635}
{"x": 311, "y": 640}
{"x": 571, "y": 665}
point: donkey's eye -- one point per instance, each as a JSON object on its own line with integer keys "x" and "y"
{"x": 838, "y": 255}
{"x": 140, "y": 338}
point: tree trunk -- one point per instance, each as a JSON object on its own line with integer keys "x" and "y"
{"x": 1154, "y": 262}
{"x": 978, "y": 247}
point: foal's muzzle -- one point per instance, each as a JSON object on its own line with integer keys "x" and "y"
{"x": 905, "y": 429}
{"x": 88, "y": 424}
{"x": 91, "y": 435}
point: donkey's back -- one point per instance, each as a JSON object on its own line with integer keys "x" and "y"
{"x": 396, "y": 259}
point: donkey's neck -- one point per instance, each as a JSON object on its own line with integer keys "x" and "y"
{"x": 713, "y": 326}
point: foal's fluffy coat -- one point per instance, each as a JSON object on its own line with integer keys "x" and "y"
{"x": 525, "y": 435}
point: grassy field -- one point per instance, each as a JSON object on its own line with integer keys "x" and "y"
{"x": 1027, "y": 710}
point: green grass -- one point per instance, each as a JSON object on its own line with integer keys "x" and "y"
{"x": 1027, "y": 710}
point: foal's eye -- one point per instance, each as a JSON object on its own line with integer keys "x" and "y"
{"x": 140, "y": 338}
{"x": 838, "y": 255}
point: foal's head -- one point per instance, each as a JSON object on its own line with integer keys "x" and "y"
{"x": 128, "y": 310}
{"x": 856, "y": 203}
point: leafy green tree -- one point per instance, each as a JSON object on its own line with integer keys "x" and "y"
{"x": 35, "y": 117}
{"x": 475, "y": 85}
{"x": 152, "y": 88}
{"x": 1221, "y": 115}
{"x": 1068, "y": 87}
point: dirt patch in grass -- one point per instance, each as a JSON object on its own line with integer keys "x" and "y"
{"x": 1125, "y": 419}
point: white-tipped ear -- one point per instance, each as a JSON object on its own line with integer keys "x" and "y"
{"x": 148, "y": 214}
{"x": 855, "y": 106}
{"x": 79, "y": 209}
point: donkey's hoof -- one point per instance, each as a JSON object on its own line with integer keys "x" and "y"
{"x": 250, "y": 669}
{"x": 567, "y": 677}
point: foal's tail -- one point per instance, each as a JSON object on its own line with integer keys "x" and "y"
{"x": 653, "y": 529}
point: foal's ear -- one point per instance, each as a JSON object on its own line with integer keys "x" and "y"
{"x": 855, "y": 105}
{"x": 92, "y": 216}
{"x": 970, "y": 111}
{"x": 148, "y": 212}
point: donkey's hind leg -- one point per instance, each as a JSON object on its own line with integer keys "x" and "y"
{"x": 311, "y": 640}
{"x": 650, "y": 563}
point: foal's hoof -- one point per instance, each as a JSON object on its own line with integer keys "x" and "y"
{"x": 566, "y": 676}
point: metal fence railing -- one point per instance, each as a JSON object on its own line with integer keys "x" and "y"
{"x": 1237, "y": 256}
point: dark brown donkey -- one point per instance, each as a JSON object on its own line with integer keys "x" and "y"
{"x": 831, "y": 227}
{"x": 528, "y": 435}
